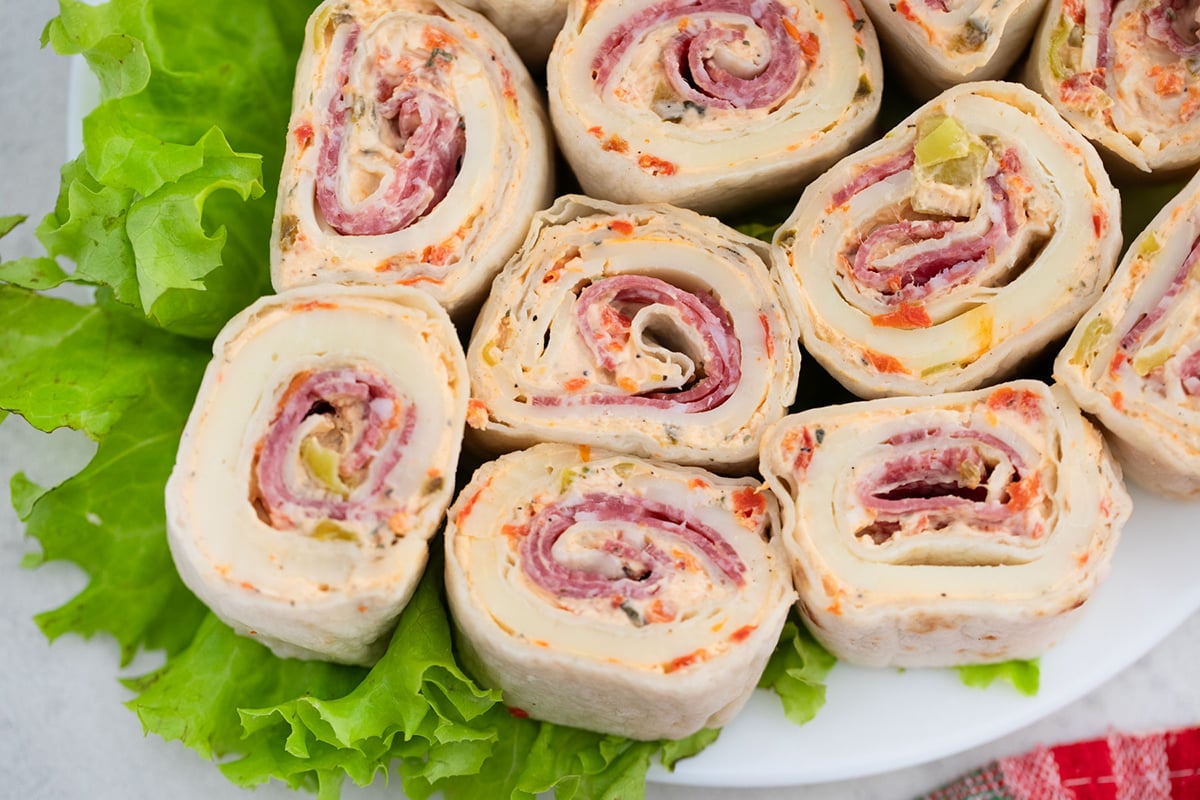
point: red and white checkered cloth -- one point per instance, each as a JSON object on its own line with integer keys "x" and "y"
{"x": 1158, "y": 766}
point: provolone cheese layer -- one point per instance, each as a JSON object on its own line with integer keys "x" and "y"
{"x": 645, "y": 329}
{"x": 955, "y": 248}
{"x": 963, "y": 529}
{"x": 1134, "y": 358}
{"x": 604, "y": 591}
{"x": 416, "y": 150}
{"x": 710, "y": 104}
{"x": 317, "y": 463}
{"x": 1127, "y": 75}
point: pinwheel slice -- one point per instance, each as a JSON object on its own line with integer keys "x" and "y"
{"x": 964, "y": 529}
{"x": 416, "y": 151}
{"x": 317, "y": 463}
{"x": 942, "y": 256}
{"x": 936, "y": 44}
{"x": 611, "y": 593}
{"x": 645, "y": 329}
{"x": 711, "y": 104}
{"x": 1134, "y": 358}
{"x": 530, "y": 25}
{"x": 1127, "y": 75}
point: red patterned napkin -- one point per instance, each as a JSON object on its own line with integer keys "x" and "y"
{"x": 1158, "y": 766}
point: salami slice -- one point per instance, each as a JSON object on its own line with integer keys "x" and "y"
{"x": 416, "y": 150}
{"x": 317, "y": 463}
{"x": 964, "y": 529}
{"x": 955, "y": 248}
{"x": 711, "y": 104}
{"x": 603, "y": 591}
{"x": 646, "y": 329}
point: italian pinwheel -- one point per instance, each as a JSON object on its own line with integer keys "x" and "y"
{"x": 417, "y": 150}
{"x": 710, "y": 104}
{"x": 936, "y": 44}
{"x": 964, "y": 529}
{"x": 645, "y": 329}
{"x": 1127, "y": 75}
{"x": 1134, "y": 359}
{"x": 955, "y": 248}
{"x": 316, "y": 464}
{"x": 625, "y": 596}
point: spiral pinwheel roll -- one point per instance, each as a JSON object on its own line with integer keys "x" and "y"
{"x": 530, "y": 25}
{"x": 936, "y": 44}
{"x": 710, "y": 104}
{"x": 645, "y": 329}
{"x": 1127, "y": 75}
{"x": 963, "y": 529}
{"x": 417, "y": 150}
{"x": 1134, "y": 359}
{"x": 316, "y": 464}
{"x": 937, "y": 259}
{"x": 612, "y": 593}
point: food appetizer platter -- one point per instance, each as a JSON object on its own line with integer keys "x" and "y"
{"x": 625, "y": 364}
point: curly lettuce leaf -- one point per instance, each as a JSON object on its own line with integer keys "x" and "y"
{"x": 314, "y": 724}
{"x": 196, "y": 696}
{"x": 796, "y": 672}
{"x": 131, "y": 387}
{"x": 415, "y": 703}
{"x": 1025, "y": 676}
{"x": 29, "y": 273}
{"x": 169, "y": 205}
{"x": 7, "y": 223}
{"x": 81, "y": 367}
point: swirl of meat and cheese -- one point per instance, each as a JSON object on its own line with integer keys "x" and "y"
{"x": 317, "y": 463}
{"x": 1127, "y": 75}
{"x": 645, "y": 329}
{"x": 936, "y": 44}
{"x": 1134, "y": 359}
{"x": 417, "y": 148}
{"x": 963, "y": 529}
{"x": 604, "y": 591}
{"x": 939, "y": 258}
{"x": 710, "y": 104}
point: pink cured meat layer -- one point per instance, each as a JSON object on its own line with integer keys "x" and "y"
{"x": 913, "y": 279}
{"x": 723, "y": 364}
{"x": 927, "y": 480}
{"x": 1189, "y": 372}
{"x": 1163, "y": 23}
{"x": 433, "y": 142}
{"x": 704, "y": 82}
{"x": 643, "y": 567}
{"x": 874, "y": 175}
{"x": 385, "y": 430}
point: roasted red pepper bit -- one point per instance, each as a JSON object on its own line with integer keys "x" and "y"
{"x": 1023, "y": 493}
{"x": 1020, "y": 400}
{"x": 907, "y": 316}
{"x": 884, "y": 363}
{"x": 749, "y": 503}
